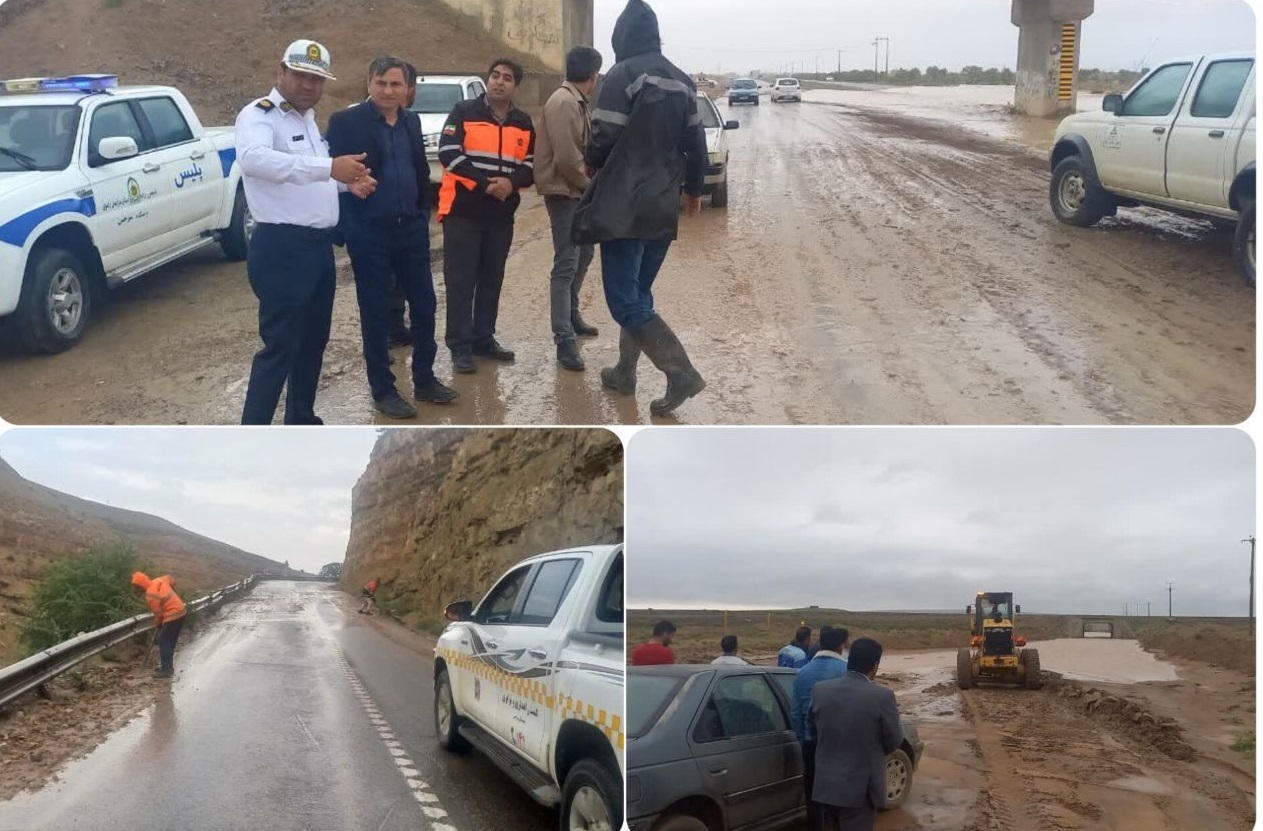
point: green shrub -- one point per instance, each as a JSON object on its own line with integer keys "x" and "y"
{"x": 1244, "y": 744}
{"x": 83, "y": 593}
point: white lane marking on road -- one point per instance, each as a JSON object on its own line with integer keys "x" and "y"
{"x": 305, "y": 730}
{"x": 430, "y": 804}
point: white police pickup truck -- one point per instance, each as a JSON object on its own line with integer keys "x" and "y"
{"x": 1183, "y": 139}
{"x": 533, "y": 678}
{"x": 99, "y": 184}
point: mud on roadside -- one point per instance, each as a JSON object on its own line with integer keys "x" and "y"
{"x": 38, "y": 736}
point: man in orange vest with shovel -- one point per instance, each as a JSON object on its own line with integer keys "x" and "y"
{"x": 168, "y": 614}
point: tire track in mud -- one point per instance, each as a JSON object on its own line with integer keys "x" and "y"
{"x": 1118, "y": 315}
{"x": 1069, "y": 758}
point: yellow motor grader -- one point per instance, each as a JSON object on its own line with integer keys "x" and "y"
{"x": 995, "y": 652}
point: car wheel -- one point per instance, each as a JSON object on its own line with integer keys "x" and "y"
{"x": 899, "y": 772}
{"x": 55, "y": 304}
{"x": 591, "y": 799}
{"x": 719, "y": 198}
{"x": 1076, "y": 195}
{"x": 1243, "y": 243}
{"x": 447, "y": 720}
{"x": 680, "y": 822}
{"x": 236, "y": 238}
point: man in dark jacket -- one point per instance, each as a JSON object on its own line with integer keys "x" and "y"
{"x": 487, "y": 149}
{"x": 647, "y": 140}
{"x": 388, "y": 233}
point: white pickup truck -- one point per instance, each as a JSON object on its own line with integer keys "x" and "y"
{"x": 1183, "y": 139}
{"x": 99, "y": 184}
{"x": 436, "y": 95}
{"x": 533, "y": 678}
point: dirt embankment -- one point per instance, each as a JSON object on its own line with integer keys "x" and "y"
{"x": 1228, "y": 646}
{"x": 39, "y": 526}
{"x": 225, "y": 53}
{"x": 439, "y": 515}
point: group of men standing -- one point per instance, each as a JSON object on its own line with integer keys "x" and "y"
{"x": 611, "y": 174}
{"x": 845, "y": 723}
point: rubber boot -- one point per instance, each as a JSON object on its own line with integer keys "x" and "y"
{"x": 668, "y": 355}
{"x": 622, "y": 377}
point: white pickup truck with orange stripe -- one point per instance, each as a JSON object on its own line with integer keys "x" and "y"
{"x": 533, "y": 678}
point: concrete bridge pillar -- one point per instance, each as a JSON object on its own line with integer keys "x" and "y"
{"x": 1048, "y": 54}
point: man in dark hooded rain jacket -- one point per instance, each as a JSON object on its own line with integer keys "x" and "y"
{"x": 647, "y": 140}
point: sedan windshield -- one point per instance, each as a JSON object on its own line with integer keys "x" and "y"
{"x": 36, "y": 137}
{"x": 744, "y": 85}
{"x": 710, "y": 119}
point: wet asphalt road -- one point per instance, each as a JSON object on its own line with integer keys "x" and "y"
{"x": 264, "y": 729}
{"x": 872, "y": 267}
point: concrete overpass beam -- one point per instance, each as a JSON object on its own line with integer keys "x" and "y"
{"x": 1048, "y": 54}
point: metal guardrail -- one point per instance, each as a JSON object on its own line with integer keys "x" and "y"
{"x": 34, "y": 672}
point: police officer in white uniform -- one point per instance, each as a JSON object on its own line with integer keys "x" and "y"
{"x": 292, "y": 191}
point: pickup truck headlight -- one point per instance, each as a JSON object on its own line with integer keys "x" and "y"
{"x": 715, "y": 158}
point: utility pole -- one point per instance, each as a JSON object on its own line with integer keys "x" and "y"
{"x": 1148, "y": 608}
{"x": 839, "y": 63}
{"x": 877, "y": 52}
{"x": 1170, "y": 602}
{"x": 1250, "y": 540}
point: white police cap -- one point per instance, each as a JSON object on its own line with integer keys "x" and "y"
{"x": 308, "y": 56}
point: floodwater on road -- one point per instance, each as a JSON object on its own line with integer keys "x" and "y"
{"x": 876, "y": 264}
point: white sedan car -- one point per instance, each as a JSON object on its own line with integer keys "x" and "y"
{"x": 717, "y": 151}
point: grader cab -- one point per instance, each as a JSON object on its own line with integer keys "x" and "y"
{"x": 996, "y": 653}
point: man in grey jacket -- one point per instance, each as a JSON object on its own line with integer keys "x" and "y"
{"x": 856, "y": 725}
{"x": 561, "y": 178}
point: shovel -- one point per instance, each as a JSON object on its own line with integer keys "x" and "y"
{"x": 149, "y": 651}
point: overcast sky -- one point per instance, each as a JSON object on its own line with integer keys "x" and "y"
{"x": 741, "y": 35}
{"x": 283, "y": 494}
{"x": 1073, "y": 521}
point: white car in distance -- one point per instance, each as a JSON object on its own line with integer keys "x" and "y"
{"x": 787, "y": 89}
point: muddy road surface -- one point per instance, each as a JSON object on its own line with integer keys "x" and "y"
{"x": 1127, "y": 755}
{"x": 873, "y": 267}
{"x": 289, "y": 712}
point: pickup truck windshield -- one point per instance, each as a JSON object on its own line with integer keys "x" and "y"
{"x": 36, "y": 137}
{"x": 436, "y": 98}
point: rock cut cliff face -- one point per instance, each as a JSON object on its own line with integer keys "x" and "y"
{"x": 438, "y": 515}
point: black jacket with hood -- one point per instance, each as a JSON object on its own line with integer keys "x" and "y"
{"x": 647, "y": 139}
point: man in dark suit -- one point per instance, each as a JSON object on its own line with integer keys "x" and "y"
{"x": 855, "y": 723}
{"x": 389, "y": 234}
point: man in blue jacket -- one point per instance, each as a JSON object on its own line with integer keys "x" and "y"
{"x": 388, "y": 234}
{"x": 794, "y": 654}
{"x": 827, "y": 665}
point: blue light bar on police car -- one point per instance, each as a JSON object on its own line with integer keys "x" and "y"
{"x": 70, "y": 83}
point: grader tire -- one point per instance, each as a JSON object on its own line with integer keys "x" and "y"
{"x": 964, "y": 669}
{"x": 1034, "y": 678}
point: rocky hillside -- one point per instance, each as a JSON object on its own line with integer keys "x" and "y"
{"x": 438, "y": 515}
{"x": 224, "y": 53}
{"x": 39, "y": 525}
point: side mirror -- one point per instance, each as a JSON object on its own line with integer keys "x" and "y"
{"x": 1113, "y": 103}
{"x": 1018, "y": 610}
{"x": 118, "y": 147}
{"x": 969, "y": 610}
{"x": 731, "y": 125}
{"x": 459, "y": 611}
